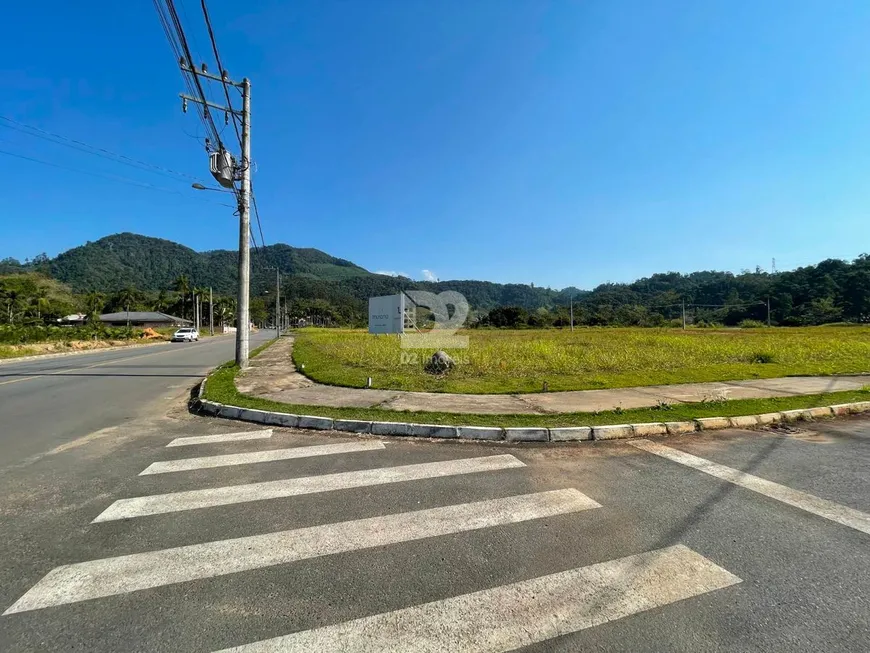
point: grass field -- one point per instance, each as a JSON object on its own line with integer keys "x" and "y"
{"x": 521, "y": 361}
{"x": 221, "y": 388}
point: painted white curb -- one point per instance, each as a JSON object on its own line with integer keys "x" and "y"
{"x": 523, "y": 434}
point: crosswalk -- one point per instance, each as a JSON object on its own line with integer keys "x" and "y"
{"x": 528, "y": 611}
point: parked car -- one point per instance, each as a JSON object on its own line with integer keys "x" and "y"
{"x": 187, "y": 334}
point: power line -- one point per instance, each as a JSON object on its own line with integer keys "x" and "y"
{"x": 234, "y": 118}
{"x": 91, "y": 149}
{"x": 182, "y": 38}
{"x": 220, "y": 66}
{"x": 123, "y": 180}
{"x": 257, "y": 215}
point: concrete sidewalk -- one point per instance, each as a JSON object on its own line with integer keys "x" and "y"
{"x": 273, "y": 376}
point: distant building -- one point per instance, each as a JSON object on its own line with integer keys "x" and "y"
{"x": 143, "y": 319}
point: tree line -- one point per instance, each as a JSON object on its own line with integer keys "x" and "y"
{"x": 831, "y": 291}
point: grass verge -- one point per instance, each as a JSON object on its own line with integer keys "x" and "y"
{"x": 221, "y": 388}
{"x": 521, "y": 361}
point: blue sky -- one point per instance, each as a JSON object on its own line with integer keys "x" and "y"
{"x": 560, "y": 143}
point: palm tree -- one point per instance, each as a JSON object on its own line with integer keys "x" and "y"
{"x": 197, "y": 292}
{"x": 126, "y": 297}
{"x": 182, "y": 285}
{"x": 94, "y": 303}
{"x": 162, "y": 301}
{"x": 225, "y": 308}
{"x": 40, "y": 303}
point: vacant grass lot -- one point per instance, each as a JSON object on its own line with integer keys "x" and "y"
{"x": 521, "y": 361}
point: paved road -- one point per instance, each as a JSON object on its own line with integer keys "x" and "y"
{"x": 295, "y": 541}
{"x": 47, "y": 403}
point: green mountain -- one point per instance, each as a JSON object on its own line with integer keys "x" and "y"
{"x": 126, "y": 259}
{"x": 153, "y": 264}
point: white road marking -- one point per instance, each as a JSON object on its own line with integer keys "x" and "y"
{"x": 110, "y": 576}
{"x": 222, "y": 496}
{"x": 223, "y": 437}
{"x": 227, "y": 460}
{"x": 844, "y": 515}
{"x": 512, "y": 616}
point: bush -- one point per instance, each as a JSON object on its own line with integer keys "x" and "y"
{"x": 23, "y": 335}
{"x": 752, "y": 324}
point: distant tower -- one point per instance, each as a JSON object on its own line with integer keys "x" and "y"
{"x": 773, "y": 266}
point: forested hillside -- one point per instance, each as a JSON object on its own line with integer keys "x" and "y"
{"x": 314, "y": 283}
{"x": 153, "y": 264}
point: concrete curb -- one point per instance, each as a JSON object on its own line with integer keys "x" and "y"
{"x": 524, "y": 434}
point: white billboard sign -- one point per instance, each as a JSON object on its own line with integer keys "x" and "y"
{"x": 387, "y": 314}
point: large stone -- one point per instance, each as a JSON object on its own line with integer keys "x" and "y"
{"x": 440, "y": 363}
{"x": 526, "y": 435}
{"x": 612, "y": 432}
{"x": 571, "y": 433}
{"x": 481, "y": 432}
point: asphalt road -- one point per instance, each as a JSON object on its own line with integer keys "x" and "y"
{"x": 320, "y": 542}
{"x": 49, "y": 402}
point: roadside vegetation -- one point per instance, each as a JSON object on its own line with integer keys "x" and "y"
{"x": 221, "y": 388}
{"x": 519, "y": 361}
{"x": 33, "y": 308}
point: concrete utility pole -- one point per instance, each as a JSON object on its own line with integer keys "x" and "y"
{"x": 210, "y": 312}
{"x": 768, "y": 311}
{"x": 243, "y": 322}
{"x": 684, "y": 314}
{"x": 243, "y": 307}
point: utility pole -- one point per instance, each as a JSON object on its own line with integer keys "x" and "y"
{"x": 768, "y": 311}
{"x": 210, "y": 312}
{"x": 684, "y": 315}
{"x": 243, "y": 331}
{"x": 243, "y": 308}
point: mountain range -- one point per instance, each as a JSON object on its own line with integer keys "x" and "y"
{"x": 833, "y": 290}
{"x": 132, "y": 260}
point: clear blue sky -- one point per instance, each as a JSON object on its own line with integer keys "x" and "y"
{"x": 560, "y": 143}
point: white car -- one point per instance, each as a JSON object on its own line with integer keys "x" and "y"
{"x": 187, "y": 334}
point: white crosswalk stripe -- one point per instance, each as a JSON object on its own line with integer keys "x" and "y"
{"x": 227, "y": 460}
{"x": 496, "y": 619}
{"x": 99, "y": 578}
{"x": 222, "y": 496}
{"x": 836, "y": 512}
{"x": 511, "y": 616}
{"x": 222, "y": 437}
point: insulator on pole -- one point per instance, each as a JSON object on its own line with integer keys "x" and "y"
{"x": 183, "y": 105}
